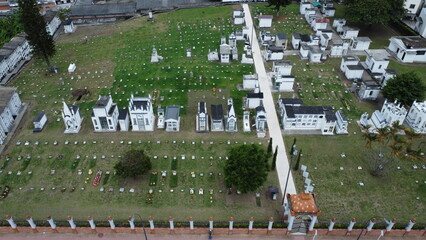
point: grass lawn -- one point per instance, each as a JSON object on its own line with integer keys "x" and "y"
{"x": 288, "y": 21}
{"x": 339, "y": 194}
{"x": 115, "y": 59}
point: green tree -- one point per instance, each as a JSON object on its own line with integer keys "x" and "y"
{"x": 134, "y": 163}
{"x": 63, "y": 14}
{"x": 274, "y": 159}
{"x": 371, "y": 12}
{"x": 277, "y": 4}
{"x": 246, "y": 168}
{"x": 405, "y": 87}
{"x": 269, "y": 150}
{"x": 35, "y": 28}
{"x": 296, "y": 167}
{"x": 9, "y": 28}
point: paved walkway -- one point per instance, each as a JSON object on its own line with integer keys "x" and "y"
{"x": 268, "y": 103}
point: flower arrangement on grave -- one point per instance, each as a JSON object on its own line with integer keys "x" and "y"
{"x": 90, "y": 172}
{"x": 97, "y": 179}
{"x": 5, "y": 192}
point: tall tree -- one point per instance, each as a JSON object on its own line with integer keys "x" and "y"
{"x": 274, "y": 159}
{"x": 134, "y": 163}
{"x": 277, "y": 4}
{"x": 269, "y": 150}
{"x": 405, "y": 87}
{"x": 35, "y": 28}
{"x": 296, "y": 167}
{"x": 246, "y": 168}
{"x": 371, "y": 12}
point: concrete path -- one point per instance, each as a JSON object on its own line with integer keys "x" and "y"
{"x": 268, "y": 103}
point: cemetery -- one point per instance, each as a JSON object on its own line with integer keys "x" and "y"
{"x": 52, "y": 169}
{"x": 179, "y": 74}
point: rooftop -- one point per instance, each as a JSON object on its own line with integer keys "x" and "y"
{"x": 413, "y": 42}
{"x": 291, "y": 111}
{"x": 303, "y": 203}
{"x": 104, "y": 9}
{"x": 6, "y": 94}
{"x": 291, "y": 101}
{"x": 172, "y": 113}
{"x": 217, "y": 111}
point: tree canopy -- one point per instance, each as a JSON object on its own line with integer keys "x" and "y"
{"x": 405, "y": 87}
{"x": 9, "y": 28}
{"x": 277, "y": 4}
{"x": 374, "y": 11}
{"x": 35, "y": 28}
{"x": 134, "y": 163}
{"x": 246, "y": 167}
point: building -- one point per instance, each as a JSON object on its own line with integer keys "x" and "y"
{"x": 231, "y": 118}
{"x": 260, "y": 122}
{"x": 10, "y": 107}
{"x": 393, "y": 112}
{"x": 202, "y": 118}
{"x": 266, "y": 38}
{"x": 360, "y": 43}
{"x": 376, "y": 63}
{"x": 420, "y": 26}
{"x": 265, "y": 21}
{"x": 52, "y": 22}
{"x": 238, "y": 15}
{"x": 225, "y": 51}
{"x": 72, "y": 118}
{"x": 283, "y": 81}
{"x": 172, "y": 119}
{"x": 370, "y": 89}
{"x": 307, "y": 118}
{"x": 281, "y": 40}
{"x": 123, "y": 120}
{"x": 349, "y": 33}
{"x": 338, "y": 24}
{"x": 246, "y": 121}
{"x": 320, "y": 23}
{"x": 408, "y": 49}
{"x": 250, "y": 82}
{"x": 217, "y": 119}
{"x": 39, "y": 122}
{"x": 105, "y": 115}
{"x": 69, "y": 26}
{"x": 141, "y": 113}
{"x": 160, "y": 121}
{"x": 314, "y": 54}
{"x": 12, "y": 55}
{"x": 416, "y": 117}
{"x": 412, "y": 7}
{"x": 254, "y": 99}
{"x": 341, "y": 123}
{"x": 274, "y": 53}
{"x": 297, "y": 39}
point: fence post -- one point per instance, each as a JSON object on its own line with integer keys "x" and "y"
{"x": 250, "y": 227}
{"x": 211, "y": 223}
{"x": 351, "y": 226}
{"x": 390, "y": 224}
{"x": 92, "y": 224}
{"x": 131, "y": 221}
{"x": 111, "y": 224}
{"x": 52, "y": 224}
{"x": 331, "y": 226}
{"x": 370, "y": 225}
{"x": 290, "y": 223}
{"x": 72, "y": 224}
{"x": 312, "y": 225}
{"x": 191, "y": 224}
{"x": 151, "y": 224}
{"x": 271, "y": 222}
{"x": 12, "y": 223}
{"x": 231, "y": 225}
{"x": 32, "y": 224}
{"x": 172, "y": 226}
{"x": 410, "y": 226}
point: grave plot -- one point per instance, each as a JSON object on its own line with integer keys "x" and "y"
{"x": 61, "y": 170}
{"x": 288, "y": 21}
{"x": 323, "y": 85}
